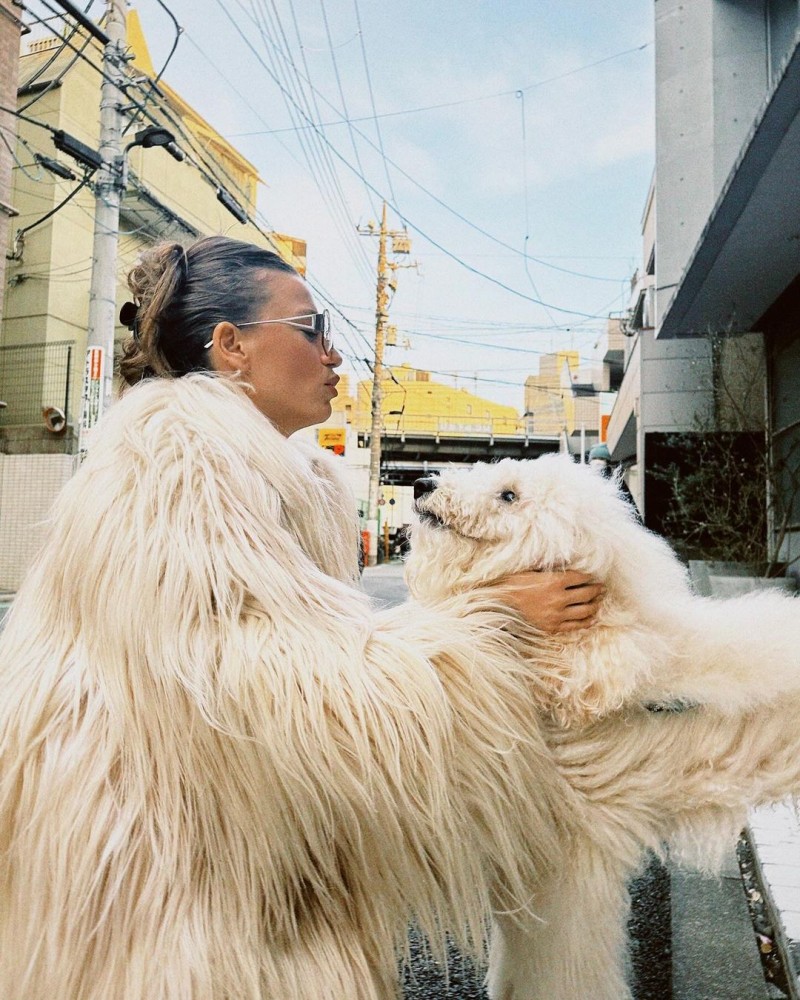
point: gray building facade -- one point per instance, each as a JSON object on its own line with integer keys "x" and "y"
{"x": 721, "y": 233}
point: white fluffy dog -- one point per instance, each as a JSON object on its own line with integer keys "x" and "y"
{"x": 636, "y": 778}
{"x": 223, "y": 776}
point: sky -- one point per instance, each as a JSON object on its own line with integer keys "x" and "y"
{"x": 514, "y": 139}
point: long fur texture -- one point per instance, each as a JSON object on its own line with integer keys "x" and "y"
{"x": 655, "y": 640}
{"x": 223, "y": 775}
{"x": 637, "y": 778}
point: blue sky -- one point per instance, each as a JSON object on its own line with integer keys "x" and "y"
{"x": 567, "y": 164}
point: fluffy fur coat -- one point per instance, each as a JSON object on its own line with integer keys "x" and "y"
{"x": 223, "y": 776}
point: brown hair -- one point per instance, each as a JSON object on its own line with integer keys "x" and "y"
{"x": 182, "y": 293}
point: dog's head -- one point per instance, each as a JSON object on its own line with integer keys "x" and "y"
{"x": 479, "y": 524}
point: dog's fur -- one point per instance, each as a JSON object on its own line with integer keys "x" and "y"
{"x": 637, "y": 778}
{"x": 223, "y": 776}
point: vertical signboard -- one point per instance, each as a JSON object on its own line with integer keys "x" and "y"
{"x": 92, "y": 397}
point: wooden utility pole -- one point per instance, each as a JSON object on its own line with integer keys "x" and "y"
{"x": 400, "y": 244}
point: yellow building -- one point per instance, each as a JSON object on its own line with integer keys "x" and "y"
{"x": 44, "y": 326}
{"x": 49, "y": 272}
{"x": 412, "y": 402}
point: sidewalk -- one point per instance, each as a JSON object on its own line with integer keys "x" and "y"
{"x": 774, "y": 834}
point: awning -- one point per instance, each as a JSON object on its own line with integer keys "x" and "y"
{"x": 749, "y": 251}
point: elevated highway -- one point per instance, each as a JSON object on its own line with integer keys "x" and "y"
{"x": 407, "y": 454}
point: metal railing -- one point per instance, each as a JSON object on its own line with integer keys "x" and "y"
{"x": 34, "y": 377}
{"x": 459, "y": 425}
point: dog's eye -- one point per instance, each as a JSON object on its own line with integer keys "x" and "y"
{"x": 508, "y": 496}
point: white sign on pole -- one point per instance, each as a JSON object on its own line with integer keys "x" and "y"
{"x": 92, "y": 397}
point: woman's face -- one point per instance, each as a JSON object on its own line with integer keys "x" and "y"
{"x": 293, "y": 379}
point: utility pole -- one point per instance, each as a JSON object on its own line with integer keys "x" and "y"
{"x": 11, "y": 27}
{"x": 99, "y": 370}
{"x": 400, "y": 244}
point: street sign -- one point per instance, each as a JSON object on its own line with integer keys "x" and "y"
{"x": 332, "y": 439}
{"x": 92, "y": 397}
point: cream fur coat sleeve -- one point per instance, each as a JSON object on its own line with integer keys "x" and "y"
{"x": 223, "y": 776}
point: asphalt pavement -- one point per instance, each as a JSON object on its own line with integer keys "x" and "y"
{"x": 691, "y": 935}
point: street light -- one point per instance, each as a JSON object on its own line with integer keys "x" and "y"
{"x": 153, "y": 135}
{"x": 147, "y": 138}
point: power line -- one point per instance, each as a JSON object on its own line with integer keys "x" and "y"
{"x": 170, "y": 54}
{"x": 244, "y": 99}
{"x": 52, "y": 84}
{"x": 81, "y": 54}
{"x": 518, "y": 93}
{"x": 413, "y": 225}
{"x": 451, "y": 104}
{"x": 372, "y": 102}
{"x": 315, "y": 150}
{"x": 335, "y": 64}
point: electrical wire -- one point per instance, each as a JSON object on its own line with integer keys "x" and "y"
{"x": 244, "y": 99}
{"x": 372, "y": 103}
{"x": 208, "y": 174}
{"x": 342, "y": 98}
{"x": 515, "y": 250}
{"x": 86, "y": 180}
{"x": 521, "y": 96}
{"x": 20, "y": 233}
{"x": 315, "y": 147}
{"x": 492, "y": 347}
{"x": 178, "y": 33}
{"x": 409, "y": 222}
{"x": 52, "y": 84}
{"x": 453, "y": 104}
{"x": 121, "y": 85}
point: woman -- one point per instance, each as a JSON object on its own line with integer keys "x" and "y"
{"x": 223, "y": 776}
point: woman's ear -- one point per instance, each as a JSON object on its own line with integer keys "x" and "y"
{"x": 228, "y": 348}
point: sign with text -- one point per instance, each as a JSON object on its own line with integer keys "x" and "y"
{"x": 332, "y": 438}
{"x": 92, "y": 396}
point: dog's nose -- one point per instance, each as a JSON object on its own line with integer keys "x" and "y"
{"x": 424, "y": 486}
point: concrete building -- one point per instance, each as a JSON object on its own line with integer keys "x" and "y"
{"x": 719, "y": 230}
{"x": 545, "y": 404}
{"x": 665, "y": 388}
{"x": 572, "y": 397}
{"x": 43, "y": 335}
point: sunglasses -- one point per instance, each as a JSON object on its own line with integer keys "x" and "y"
{"x": 318, "y": 324}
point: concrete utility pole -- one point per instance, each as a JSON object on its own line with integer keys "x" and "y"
{"x": 99, "y": 371}
{"x": 400, "y": 244}
{"x": 10, "y": 29}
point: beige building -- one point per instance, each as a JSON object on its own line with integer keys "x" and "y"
{"x": 547, "y": 398}
{"x": 43, "y": 336}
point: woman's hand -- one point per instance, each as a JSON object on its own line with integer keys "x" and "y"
{"x": 553, "y": 602}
